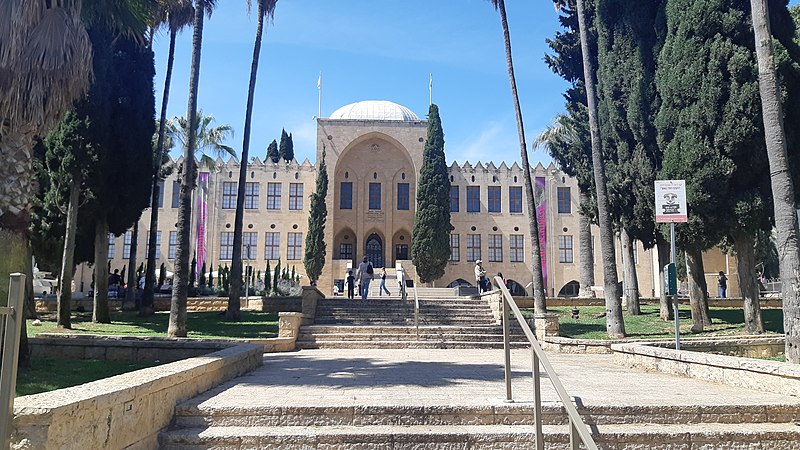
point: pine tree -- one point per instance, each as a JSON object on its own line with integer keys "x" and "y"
{"x": 314, "y": 260}
{"x": 272, "y": 152}
{"x": 431, "y": 235}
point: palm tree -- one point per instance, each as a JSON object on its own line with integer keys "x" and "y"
{"x": 266, "y": 8}
{"x": 533, "y": 222}
{"x": 614, "y": 322}
{"x": 196, "y": 134}
{"x": 175, "y": 15}
{"x": 780, "y": 177}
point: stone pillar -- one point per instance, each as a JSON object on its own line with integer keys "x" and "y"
{"x": 310, "y": 297}
{"x": 289, "y": 324}
{"x": 545, "y": 325}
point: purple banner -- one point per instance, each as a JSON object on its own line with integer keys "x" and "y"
{"x": 541, "y": 213}
{"x": 202, "y": 217}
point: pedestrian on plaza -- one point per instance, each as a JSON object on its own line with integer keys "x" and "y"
{"x": 480, "y": 276}
{"x": 722, "y": 283}
{"x": 500, "y": 274}
{"x": 383, "y": 287}
{"x": 351, "y": 284}
{"x": 364, "y": 274}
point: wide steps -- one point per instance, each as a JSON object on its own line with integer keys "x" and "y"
{"x": 432, "y": 437}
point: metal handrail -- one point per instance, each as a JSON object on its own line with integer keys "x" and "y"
{"x": 12, "y": 327}
{"x": 578, "y": 432}
{"x": 416, "y": 309}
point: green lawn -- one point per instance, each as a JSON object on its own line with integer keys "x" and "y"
{"x": 48, "y": 374}
{"x": 725, "y": 322}
{"x": 200, "y": 325}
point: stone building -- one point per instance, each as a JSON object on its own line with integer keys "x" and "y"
{"x": 374, "y": 152}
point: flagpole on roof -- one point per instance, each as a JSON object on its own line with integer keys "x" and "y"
{"x": 319, "y": 90}
{"x": 430, "y": 89}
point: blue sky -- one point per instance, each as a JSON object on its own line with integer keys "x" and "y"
{"x": 374, "y": 50}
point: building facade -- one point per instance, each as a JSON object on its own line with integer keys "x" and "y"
{"x": 373, "y": 151}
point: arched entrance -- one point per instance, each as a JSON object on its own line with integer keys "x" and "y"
{"x": 374, "y": 250}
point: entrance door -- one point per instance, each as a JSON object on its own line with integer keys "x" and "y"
{"x": 401, "y": 251}
{"x": 375, "y": 250}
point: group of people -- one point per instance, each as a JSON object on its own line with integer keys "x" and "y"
{"x": 481, "y": 280}
{"x": 365, "y": 272}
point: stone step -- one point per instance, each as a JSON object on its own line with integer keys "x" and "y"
{"x": 325, "y": 337}
{"x": 386, "y": 344}
{"x": 360, "y": 321}
{"x": 389, "y": 329}
{"x": 192, "y": 415}
{"x": 655, "y": 437}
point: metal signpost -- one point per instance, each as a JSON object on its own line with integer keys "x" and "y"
{"x": 671, "y": 208}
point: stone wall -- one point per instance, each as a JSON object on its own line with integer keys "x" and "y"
{"x": 125, "y": 411}
{"x": 755, "y": 374}
{"x": 119, "y": 348}
{"x": 276, "y": 304}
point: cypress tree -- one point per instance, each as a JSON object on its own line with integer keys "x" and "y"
{"x": 284, "y": 147}
{"x": 202, "y": 280}
{"x": 193, "y": 272}
{"x": 431, "y": 235}
{"x": 276, "y": 276}
{"x": 211, "y": 276}
{"x": 267, "y": 279}
{"x": 162, "y": 274}
{"x": 272, "y": 152}
{"x": 314, "y": 259}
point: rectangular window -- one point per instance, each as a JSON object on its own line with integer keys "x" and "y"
{"x": 272, "y": 246}
{"x": 517, "y": 246}
{"x": 564, "y": 203}
{"x": 453, "y": 198}
{"x": 346, "y": 195}
{"x": 251, "y": 195}
{"x": 455, "y": 248}
{"x": 515, "y": 199}
{"x": 374, "y": 196}
{"x": 158, "y": 245}
{"x": 295, "y": 196}
{"x": 565, "y": 249}
{"x": 112, "y": 240}
{"x": 346, "y": 251}
{"x": 173, "y": 244}
{"x": 126, "y": 245}
{"x": 495, "y": 248}
{"x": 294, "y": 249}
{"x": 494, "y": 199}
{"x": 161, "y": 194}
{"x": 226, "y": 245}
{"x": 402, "y": 196}
{"x": 176, "y": 194}
{"x": 473, "y": 247}
{"x": 228, "y": 195}
{"x": 249, "y": 245}
{"x": 473, "y": 199}
{"x": 273, "y": 196}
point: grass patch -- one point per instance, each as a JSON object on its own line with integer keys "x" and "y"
{"x": 48, "y": 375}
{"x": 725, "y": 322}
{"x": 781, "y": 358}
{"x": 253, "y": 325}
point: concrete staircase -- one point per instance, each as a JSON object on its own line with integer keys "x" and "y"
{"x": 504, "y": 426}
{"x": 445, "y": 322}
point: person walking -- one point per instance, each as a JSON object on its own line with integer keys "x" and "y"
{"x": 383, "y": 287}
{"x": 364, "y": 274}
{"x": 722, "y": 283}
{"x": 351, "y": 284}
{"x": 480, "y": 276}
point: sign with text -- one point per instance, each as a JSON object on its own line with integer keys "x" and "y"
{"x": 671, "y": 201}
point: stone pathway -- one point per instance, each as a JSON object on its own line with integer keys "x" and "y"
{"x": 459, "y": 377}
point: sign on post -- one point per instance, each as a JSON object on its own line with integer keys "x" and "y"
{"x": 671, "y": 201}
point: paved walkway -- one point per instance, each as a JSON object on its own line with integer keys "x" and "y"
{"x": 413, "y": 377}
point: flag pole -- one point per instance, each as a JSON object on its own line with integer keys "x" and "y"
{"x": 430, "y": 89}
{"x": 319, "y": 90}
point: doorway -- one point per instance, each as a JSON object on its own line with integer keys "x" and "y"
{"x": 374, "y": 250}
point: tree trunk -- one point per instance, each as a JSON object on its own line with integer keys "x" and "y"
{"x": 585, "y": 253}
{"x": 539, "y": 297}
{"x": 67, "y": 258}
{"x": 29, "y": 306}
{"x": 100, "y": 312}
{"x": 133, "y": 283}
{"x": 781, "y": 181}
{"x": 180, "y": 289}
{"x": 743, "y": 244}
{"x": 664, "y": 306}
{"x": 614, "y": 322}
{"x": 697, "y": 290}
{"x": 234, "y": 305}
{"x": 631, "y": 282}
{"x": 148, "y": 295}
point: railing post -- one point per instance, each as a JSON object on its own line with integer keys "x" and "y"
{"x": 574, "y": 438}
{"x": 537, "y": 400}
{"x": 8, "y": 367}
{"x": 507, "y": 348}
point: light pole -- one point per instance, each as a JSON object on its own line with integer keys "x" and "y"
{"x": 247, "y": 276}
